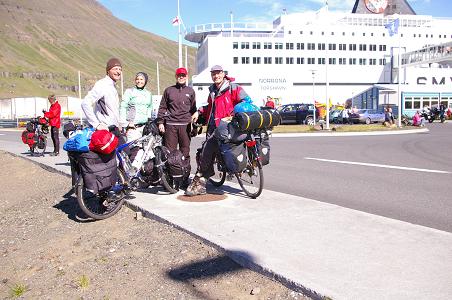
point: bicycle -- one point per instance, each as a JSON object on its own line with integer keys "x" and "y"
{"x": 251, "y": 178}
{"x": 130, "y": 176}
{"x": 35, "y": 135}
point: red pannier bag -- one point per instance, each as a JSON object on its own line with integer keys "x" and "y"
{"x": 28, "y": 138}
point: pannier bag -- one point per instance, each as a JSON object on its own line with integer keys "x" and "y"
{"x": 178, "y": 165}
{"x": 79, "y": 142}
{"x": 234, "y": 156}
{"x": 30, "y": 126}
{"x": 98, "y": 170}
{"x": 229, "y": 132}
{"x": 28, "y": 138}
{"x": 257, "y": 119}
{"x": 103, "y": 141}
{"x": 151, "y": 128}
{"x": 264, "y": 148}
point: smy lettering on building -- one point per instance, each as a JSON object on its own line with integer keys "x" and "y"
{"x": 422, "y": 80}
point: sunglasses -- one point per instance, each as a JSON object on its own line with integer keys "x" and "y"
{"x": 181, "y": 75}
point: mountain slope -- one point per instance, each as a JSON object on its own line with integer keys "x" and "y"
{"x": 45, "y": 43}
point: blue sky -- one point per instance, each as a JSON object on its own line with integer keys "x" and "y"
{"x": 156, "y": 15}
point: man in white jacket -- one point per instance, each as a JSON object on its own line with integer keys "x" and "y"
{"x": 101, "y": 104}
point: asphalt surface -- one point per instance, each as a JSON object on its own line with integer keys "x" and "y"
{"x": 321, "y": 248}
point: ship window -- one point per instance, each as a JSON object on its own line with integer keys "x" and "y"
{"x": 352, "y": 61}
{"x": 300, "y": 46}
{"x": 278, "y": 60}
{"x": 245, "y": 60}
{"x": 353, "y": 34}
{"x": 384, "y": 34}
{"x": 256, "y": 60}
{"x": 343, "y": 33}
{"x": 332, "y": 61}
{"x": 342, "y": 61}
{"x": 362, "y": 61}
{"x": 278, "y": 46}
{"x": 256, "y": 45}
{"x": 235, "y": 45}
{"x": 289, "y": 60}
{"x": 332, "y": 33}
{"x": 331, "y": 46}
{"x": 311, "y": 60}
{"x": 372, "y": 61}
{"x": 289, "y": 32}
{"x": 321, "y": 46}
{"x": 300, "y": 60}
{"x": 301, "y": 32}
{"x": 245, "y": 45}
{"x": 352, "y": 47}
{"x": 267, "y": 60}
{"x": 267, "y": 45}
{"x": 311, "y": 33}
{"x": 235, "y": 60}
{"x": 289, "y": 46}
{"x": 321, "y": 61}
{"x": 364, "y": 34}
{"x": 311, "y": 46}
{"x": 323, "y": 33}
{"x": 372, "y": 34}
{"x": 362, "y": 47}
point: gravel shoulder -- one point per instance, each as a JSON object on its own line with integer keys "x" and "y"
{"x": 51, "y": 251}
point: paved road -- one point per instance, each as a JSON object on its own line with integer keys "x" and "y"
{"x": 407, "y": 194}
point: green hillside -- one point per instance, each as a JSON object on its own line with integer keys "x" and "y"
{"x": 45, "y": 43}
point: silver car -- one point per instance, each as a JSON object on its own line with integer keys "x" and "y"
{"x": 368, "y": 116}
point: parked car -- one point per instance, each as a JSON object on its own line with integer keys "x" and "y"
{"x": 368, "y": 116}
{"x": 297, "y": 113}
{"x": 336, "y": 116}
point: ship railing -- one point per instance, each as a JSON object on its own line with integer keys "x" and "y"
{"x": 203, "y": 28}
{"x": 427, "y": 55}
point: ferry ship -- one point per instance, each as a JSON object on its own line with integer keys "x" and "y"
{"x": 320, "y": 55}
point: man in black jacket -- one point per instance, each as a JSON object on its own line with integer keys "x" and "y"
{"x": 176, "y": 112}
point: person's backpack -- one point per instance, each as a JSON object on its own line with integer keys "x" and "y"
{"x": 178, "y": 165}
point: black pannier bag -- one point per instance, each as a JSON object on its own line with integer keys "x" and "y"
{"x": 257, "y": 119}
{"x": 234, "y": 156}
{"x": 98, "y": 170}
{"x": 263, "y": 144}
{"x": 68, "y": 128}
{"x": 178, "y": 165}
{"x": 30, "y": 126}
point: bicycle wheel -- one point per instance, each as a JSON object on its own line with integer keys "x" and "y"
{"x": 165, "y": 178}
{"x": 40, "y": 146}
{"x": 220, "y": 175}
{"x": 98, "y": 206}
{"x": 251, "y": 179}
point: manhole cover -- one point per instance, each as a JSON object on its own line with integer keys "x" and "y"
{"x": 203, "y": 198}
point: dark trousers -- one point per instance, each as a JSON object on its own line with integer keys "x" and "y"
{"x": 178, "y": 135}
{"x": 210, "y": 150}
{"x": 55, "y": 134}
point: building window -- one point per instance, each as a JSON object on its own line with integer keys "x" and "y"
{"x": 289, "y": 60}
{"x": 321, "y": 46}
{"x": 245, "y": 60}
{"x": 235, "y": 60}
{"x": 300, "y": 46}
{"x": 331, "y": 46}
{"x": 256, "y": 45}
{"x": 279, "y": 46}
{"x": 289, "y": 46}
{"x": 320, "y": 60}
{"x": 300, "y": 60}
{"x": 256, "y": 60}
{"x": 267, "y": 60}
{"x": 245, "y": 45}
{"x": 278, "y": 60}
{"x": 235, "y": 45}
{"x": 267, "y": 45}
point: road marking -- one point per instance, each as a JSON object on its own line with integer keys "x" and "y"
{"x": 377, "y": 165}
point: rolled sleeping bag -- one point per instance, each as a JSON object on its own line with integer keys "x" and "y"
{"x": 257, "y": 119}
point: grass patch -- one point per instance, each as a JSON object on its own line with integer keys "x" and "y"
{"x": 18, "y": 290}
{"x": 83, "y": 282}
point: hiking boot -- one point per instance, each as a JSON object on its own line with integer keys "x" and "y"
{"x": 197, "y": 187}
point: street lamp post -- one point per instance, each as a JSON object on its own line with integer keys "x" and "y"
{"x": 313, "y": 91}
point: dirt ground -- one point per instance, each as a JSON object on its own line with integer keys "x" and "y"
{"x": 49, "y": 250}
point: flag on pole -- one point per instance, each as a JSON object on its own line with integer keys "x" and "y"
{"x": 393, "y": 27}
{"x": 176, "y": 21}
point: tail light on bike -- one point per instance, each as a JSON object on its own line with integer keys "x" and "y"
{"x": 250, "y": 143}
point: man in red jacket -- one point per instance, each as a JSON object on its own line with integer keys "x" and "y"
{"x": 54, "y": 116}
{"x": 224, "y": 95}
